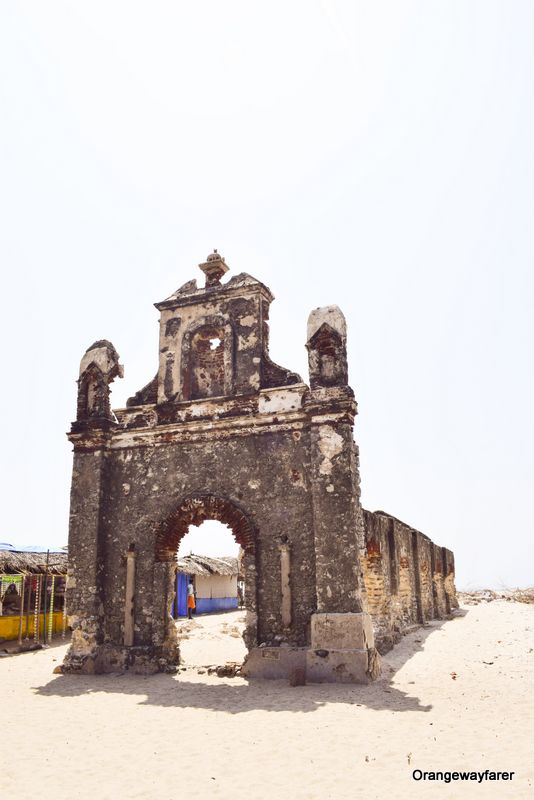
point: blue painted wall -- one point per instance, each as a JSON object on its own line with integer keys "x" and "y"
{"x": 207, "y": 604}
{"x": 180, "y": 605}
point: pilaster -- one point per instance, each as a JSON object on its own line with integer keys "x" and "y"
{"x": 84, "y": 587}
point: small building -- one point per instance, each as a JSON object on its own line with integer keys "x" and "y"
{"x": 215, "y": 582}
{"x": 32, "y": 591}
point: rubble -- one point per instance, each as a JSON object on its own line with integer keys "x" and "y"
{"x": 473, "y": 598}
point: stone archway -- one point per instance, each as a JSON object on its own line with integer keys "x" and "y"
{"x": 222, "y": 433}
{"x": 194, "y": 510}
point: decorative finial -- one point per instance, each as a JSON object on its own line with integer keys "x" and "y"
{"x": 214, "y": 268}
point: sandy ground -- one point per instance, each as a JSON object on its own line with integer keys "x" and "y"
{"x": 212, "y": 640}
{"x": 454, "y": 695}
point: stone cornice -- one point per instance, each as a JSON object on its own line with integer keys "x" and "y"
{"x": 270, "y": 410}
{"x": 204, "y": 295}
{"x": 208, "y": 430}
{"x": 91, "y": 439}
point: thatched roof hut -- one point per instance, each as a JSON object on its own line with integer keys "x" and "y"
{"x": 20, "y": 562}
{"x": 205, "y": 565}
{"x": 17, "y": 562}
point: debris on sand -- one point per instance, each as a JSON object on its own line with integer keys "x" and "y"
{"x": 230, "y": 670}
{"x": 488, "y": 595}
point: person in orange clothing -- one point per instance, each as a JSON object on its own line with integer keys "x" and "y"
{"x": 191, "y": 605}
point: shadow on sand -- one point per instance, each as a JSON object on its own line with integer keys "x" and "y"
{"x": 12, "y": 647}
{"x": 238, "y": 696}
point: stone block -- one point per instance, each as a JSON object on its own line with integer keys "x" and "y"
{"x": 338, "y": 666}
{"x": 350, "y": 631}
{"x": 274, "y": 662}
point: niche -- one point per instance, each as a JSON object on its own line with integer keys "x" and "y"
{"x": 327, "y": 358}
{"x": 93, "y": 394}
{"x": 207, "y": 362}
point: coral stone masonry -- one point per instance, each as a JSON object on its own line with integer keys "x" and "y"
{"x": 224, "y": 433}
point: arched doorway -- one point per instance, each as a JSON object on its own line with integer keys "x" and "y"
{"x": 210, "y": 635}
{"x": 210, "y": 538}
{"x": 193, "y": 511}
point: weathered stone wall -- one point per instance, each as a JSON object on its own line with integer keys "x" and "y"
{"x": 277, "y": 461}
{"x": 408, "y": 579}
{"x": 146, "y": 485}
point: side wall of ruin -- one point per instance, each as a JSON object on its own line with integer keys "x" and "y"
{"x": 408, "y": 579}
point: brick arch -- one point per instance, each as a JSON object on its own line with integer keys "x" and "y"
{"x": 196, "y": 509}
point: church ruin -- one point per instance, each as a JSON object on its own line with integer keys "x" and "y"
{"x": 223, "y": 433}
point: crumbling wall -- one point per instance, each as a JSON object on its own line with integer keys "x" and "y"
{"x": 271, "y": 460}
{"x": 450, "y": 588}
{"x": 377, "y": 573}
{"x": 147, "y": 485}
{"x": 425, "y": 576}
{"x": 408, "y": 579}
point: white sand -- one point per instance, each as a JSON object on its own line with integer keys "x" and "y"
{"x": 198, "y": 736}
{"x": 213, "y": 639}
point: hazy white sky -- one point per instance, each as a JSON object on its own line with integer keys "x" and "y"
{"x": 377, "y": 155}
{"x": 211, "y": 539}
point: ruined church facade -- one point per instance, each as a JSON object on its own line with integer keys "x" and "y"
{"x": 223, "y": 433}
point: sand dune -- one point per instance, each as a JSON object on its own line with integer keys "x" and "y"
{"x": 454, "y": 695}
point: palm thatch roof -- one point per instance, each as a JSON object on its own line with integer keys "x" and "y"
{"x": 17, "y": 562}
{"x": 205, "y": 565}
